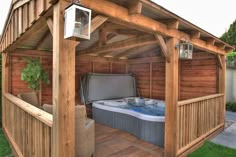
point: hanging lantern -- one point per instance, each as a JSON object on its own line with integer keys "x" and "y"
{"x": 77, "y": 22}
{"x": 185, "y": 50}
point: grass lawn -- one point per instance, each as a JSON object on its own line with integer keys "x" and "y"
{"x": 210, "y": 149}
{"x": 5, "y": 149}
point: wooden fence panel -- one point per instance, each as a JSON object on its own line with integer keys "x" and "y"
{"x": 197, "y": 119}
{"x": 28, "y": 128}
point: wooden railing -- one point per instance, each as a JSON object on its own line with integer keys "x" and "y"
{"x": 197, "y": 119}
{"x": 28, "y": 128}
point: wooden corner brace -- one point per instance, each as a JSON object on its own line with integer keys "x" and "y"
{"x": 164, "y": 48}
{"x": 220, "y": 61}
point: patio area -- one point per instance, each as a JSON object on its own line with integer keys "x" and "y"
{"x": 112, "y": 142}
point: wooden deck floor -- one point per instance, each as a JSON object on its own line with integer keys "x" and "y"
{"x": 111, "y": 142}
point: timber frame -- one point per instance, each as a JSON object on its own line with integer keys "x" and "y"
{"x": 121, "y": 32}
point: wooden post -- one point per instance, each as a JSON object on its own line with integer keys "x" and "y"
{"x": 63, "y": 87}
{"x": 222, "y": 79}
{"x": 4, "y": 85}
{"x": 171, "y": 98}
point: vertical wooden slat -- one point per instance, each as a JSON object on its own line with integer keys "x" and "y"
{"x": 12, "y": 29}
{"x": 32, "y": 12}
{"x": 40, "y": 7}
{"x": 197, "y": 119}
{"x": 25, "y": 17}
{"x": 171, "y": 99}
{"x": 20, "y": 21}
{"x": 48, "y": 4}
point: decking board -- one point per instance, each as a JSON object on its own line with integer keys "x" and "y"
{"x": 112, "y": 142}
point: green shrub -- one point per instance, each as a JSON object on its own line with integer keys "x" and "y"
{"x": 231, "y": 106}
{"x": 0, "y": 91}
{"x": 34, "y": 74}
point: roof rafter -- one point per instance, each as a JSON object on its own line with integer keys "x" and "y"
{"x": 135, "y": 7}
{"x": 147, "y": 24}
{"x": 124, "y": 44}
{"x": 162, "y": 43}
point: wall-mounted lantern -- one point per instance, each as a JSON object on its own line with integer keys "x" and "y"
{"x": 77, "y": 22}
{"x": 185, "y": 49}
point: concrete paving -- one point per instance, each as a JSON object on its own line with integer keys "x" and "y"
{"x": 230, "y": 116}
{"x": 228, "y": 136}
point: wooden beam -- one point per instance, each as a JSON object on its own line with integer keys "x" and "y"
{"x": 220, "y": 61}
{"x": 171, "y": 23}
{"x": 5, "y": 75}
{"x": 124, "y": 44}
{"x": 162, "y": 43}
{"x": 195, "y": 34}
{"x": 171, "y": 99}
{"x": 20, "y": 4}
{"x": 102, "y": 37}
{"x": 222, "y": 80}
{"x": 128, "y": 32}
{"x": 50, "y": 24}
{"x": 220, "y": 45}
{"x": 125, "y": 53}
{"x": 119, "y": 14}
{"x": 210, "y": 41}
{"x": 112, "y": 26}
{"x": 135, "y": 7}
{"x": 97, "y": 22}
{"x": 7, "y": 60}
{"x": 63, "y": 87}
{"x": 229, "y": 49}
{"x": 41, "y": 41}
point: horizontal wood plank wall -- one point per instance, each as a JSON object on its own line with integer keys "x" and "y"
{"x": 17, "y": 65}
{"x": 198, "y": 77}
{"x": 92, "y": 64}
{"x": 141, "y": 70}
{"x": 46, "y": 90}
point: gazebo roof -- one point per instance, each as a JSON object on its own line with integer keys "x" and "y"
{"x": 24, "y": 14}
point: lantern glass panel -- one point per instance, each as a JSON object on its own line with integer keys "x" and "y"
{"x": 81, "y": 23}
{"x": 185, "y": 50}
{"x": 77, "y": 22}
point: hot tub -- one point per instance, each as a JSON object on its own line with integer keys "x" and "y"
{"x": 146, "y": 122}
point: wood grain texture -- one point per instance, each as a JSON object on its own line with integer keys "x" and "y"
{"x": 171, "y": 99}
{"x": 197, "y": 119}
{"x": 198, "y": 76}
{"x": 27, "y": 128}
{"x": 63, "y": 86}
{"x": 17, "y": 86}
{"x": 112, "y": 142}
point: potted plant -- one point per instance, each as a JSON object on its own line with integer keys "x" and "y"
{"x": 33, "y": 74}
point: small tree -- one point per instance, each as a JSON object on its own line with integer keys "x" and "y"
{"x": 230, "y": 35}
{"x": 231, "y": 59}
{"x": 34, "y": 74}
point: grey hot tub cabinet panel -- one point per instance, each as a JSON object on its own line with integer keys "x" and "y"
{"x": 149, "y": 131}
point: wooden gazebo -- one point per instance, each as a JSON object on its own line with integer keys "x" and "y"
{"x": 138, "y": 37}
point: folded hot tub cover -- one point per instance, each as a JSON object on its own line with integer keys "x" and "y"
{"x": 96, "y": 86}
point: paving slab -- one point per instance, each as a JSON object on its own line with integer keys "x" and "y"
{"x": 228, "y": 136}
{"x": 230, "y": 116}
